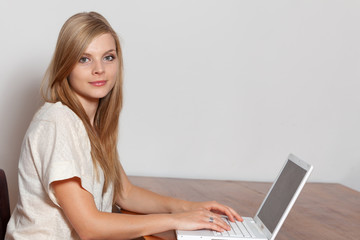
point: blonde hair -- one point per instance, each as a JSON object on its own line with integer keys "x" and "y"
{"x": 74, "y": 37}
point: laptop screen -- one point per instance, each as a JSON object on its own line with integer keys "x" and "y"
{"x": 281, "y": 194}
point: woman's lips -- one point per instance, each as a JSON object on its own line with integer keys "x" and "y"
{"x": 98, "y": 83}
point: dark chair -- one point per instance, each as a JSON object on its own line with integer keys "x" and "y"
{"x": 4, "y": 204}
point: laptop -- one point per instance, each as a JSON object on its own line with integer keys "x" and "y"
{"x": 272, "y": 212}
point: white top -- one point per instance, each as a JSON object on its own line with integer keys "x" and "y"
{"x": 56, "y": 147}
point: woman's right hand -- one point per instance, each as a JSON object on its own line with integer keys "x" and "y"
{"x": 200, "y": 219}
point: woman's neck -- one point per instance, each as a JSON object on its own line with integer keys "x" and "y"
{"x": 90, "y": 109}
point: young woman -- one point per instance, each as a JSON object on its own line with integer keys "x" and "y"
{"x": 69, "y": 172}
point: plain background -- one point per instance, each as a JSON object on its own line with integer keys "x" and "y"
{"x": 213, "y": 89}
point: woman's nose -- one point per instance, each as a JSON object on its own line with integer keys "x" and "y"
{"x": 98, "y": 68}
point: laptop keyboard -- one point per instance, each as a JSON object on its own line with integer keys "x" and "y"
{"x": 237, "y": 229}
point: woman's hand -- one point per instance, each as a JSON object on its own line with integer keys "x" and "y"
{"x": 200, "y": 219}
{"x": 216, "y": 208}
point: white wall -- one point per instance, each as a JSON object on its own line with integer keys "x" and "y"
{"x": 213, "y": 89}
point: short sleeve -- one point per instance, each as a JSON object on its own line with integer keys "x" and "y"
{"x": 61, "y": 150}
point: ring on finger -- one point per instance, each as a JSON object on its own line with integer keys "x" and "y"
{"x": 211, "y": 219}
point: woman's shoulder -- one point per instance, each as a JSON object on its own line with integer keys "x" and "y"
{"x": 56, "y": 118}
{"x": 56, "y": 112}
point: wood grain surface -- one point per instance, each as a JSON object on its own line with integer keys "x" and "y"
{"x": 322, "y": 211}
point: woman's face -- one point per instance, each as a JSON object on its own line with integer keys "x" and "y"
{"x": 94, "y": 75}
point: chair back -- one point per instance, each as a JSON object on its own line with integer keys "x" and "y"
{"x": 4, "y": 204}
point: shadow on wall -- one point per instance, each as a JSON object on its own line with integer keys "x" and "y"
{"x": 19, "y": 112}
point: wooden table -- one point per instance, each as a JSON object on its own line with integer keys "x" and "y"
{"x": 322, "y": 211}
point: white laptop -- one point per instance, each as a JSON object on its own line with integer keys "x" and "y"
{"x": 272, "y": 212}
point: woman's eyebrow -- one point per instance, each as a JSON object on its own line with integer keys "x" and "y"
{"x": 111, "y": 50}
{"x": 108, "y": 51}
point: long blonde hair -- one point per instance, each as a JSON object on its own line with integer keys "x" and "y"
{"x": 74, "y": 37}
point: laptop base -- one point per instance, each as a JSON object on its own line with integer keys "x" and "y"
{"x": 256, "y": 233}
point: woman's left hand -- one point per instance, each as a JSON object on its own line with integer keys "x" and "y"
{"x": 217, "y": 208}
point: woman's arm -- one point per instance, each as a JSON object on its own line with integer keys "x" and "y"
{"x": 79, "y": 207}
{"x": 140, "y": 200}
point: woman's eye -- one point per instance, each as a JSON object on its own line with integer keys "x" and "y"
{"x": 84, "y": 60}
{"x": 109, "y": 58}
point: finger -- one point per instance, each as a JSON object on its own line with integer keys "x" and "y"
{"x": 215, "y": 227}
{"x": 225, "y": 210}
{"x": 217, "y": 221}
{"x": 236, "y": 215}
{"x": 232, "y": 215}
{"x": 229, "y": 212}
